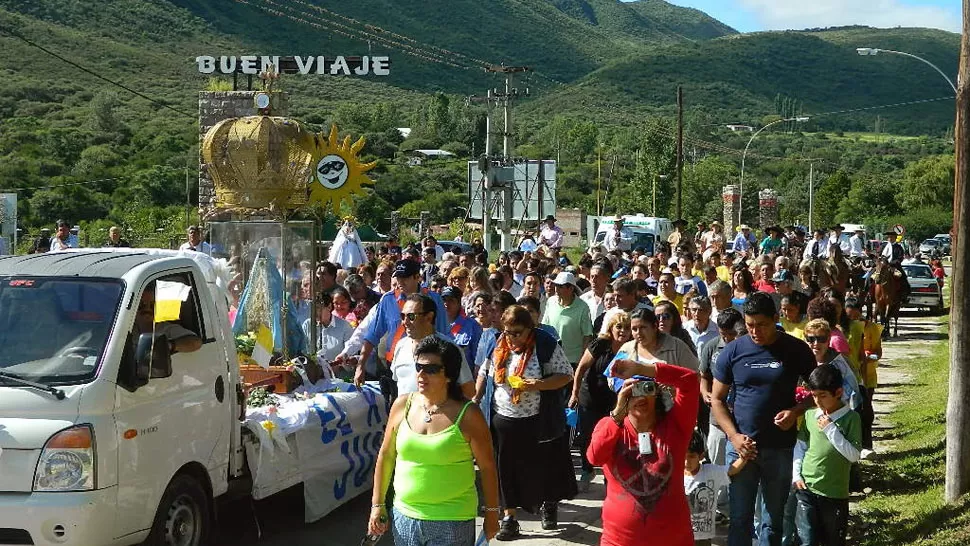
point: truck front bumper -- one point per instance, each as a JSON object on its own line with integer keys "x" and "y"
{"x": 84, "y": 518}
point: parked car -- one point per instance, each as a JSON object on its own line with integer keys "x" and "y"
{"x": 455, "y": 247}
{"x": 926, "y": 292}
{"x": 945, "y": 242}
{"x": 931, "y": 248}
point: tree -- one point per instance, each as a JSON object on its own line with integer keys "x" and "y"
{"x": 832, "y": 192}
{"x": 927, "y": 182}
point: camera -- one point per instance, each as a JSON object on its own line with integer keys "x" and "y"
{"x": 644, "y": 388}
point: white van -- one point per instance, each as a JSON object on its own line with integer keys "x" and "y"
{"x": 108, "y": 442}
{"x": 647, "y": 230}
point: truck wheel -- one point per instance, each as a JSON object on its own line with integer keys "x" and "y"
{"x": 183, "y": 517}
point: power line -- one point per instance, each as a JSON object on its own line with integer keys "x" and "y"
{"x": 29, "y": 42}
{"x": 82, "y": 183}
{"x": 923, "y": 101}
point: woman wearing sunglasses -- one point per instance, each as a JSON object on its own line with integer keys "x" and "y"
{"x": 433, "y": 439}
{"x": 642, "y": 445}
{"x": 525, "y": 362}
{"x": 670, "y": 323}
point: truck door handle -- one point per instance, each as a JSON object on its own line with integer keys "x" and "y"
{"x": 220, "y": 389}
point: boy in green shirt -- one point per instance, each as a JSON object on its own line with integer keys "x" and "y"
{"x": 829, "y": 441}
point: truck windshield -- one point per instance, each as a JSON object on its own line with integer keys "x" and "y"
{"x": 54, "y": 330}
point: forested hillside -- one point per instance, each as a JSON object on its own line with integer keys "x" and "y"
{"x": 78, "y": 146}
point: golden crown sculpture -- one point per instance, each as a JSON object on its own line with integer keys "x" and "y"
{"x": 259, "y": 162}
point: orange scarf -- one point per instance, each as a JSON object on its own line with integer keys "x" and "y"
{"x": 503, "y": 354}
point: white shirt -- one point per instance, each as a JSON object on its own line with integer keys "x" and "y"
{"x": 856, "y": 246}
{"x": 595, "y": 304}
{"x": 823, "y": 248}
{"x": 202, "y": 247}
{"x": 528, "y": 405}
{"x": 58, "y": 245}
{"x": 700, "y": 337}
{"x": 402, "y": 366}
{"x": 701, "y": 493}
{"x": 330, "y": 339}
{"x": 551, "y": 237}
{"x": 618, "y": 240}
{"x": 841, "y": 240}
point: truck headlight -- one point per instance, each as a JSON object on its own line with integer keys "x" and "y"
{"x": 67, "y": 462}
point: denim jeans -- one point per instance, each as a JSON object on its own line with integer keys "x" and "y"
{"x": 771, "y": 470}
{"x": 415, "y": 532}
{"x": 821, "y": 521}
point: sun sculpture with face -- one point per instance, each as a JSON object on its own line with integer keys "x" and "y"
{"x": 338, "y": 173}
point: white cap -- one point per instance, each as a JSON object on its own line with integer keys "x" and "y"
{"x": 565, "y": 278}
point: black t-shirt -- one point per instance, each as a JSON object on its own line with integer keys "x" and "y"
{"x": 764, "y": 380}
{"x": 595, "y": 392}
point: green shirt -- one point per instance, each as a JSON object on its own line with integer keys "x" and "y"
{"x": 434, "y": 474}
{"x": 824, "y": 470}
{"x": 572, "y": 323}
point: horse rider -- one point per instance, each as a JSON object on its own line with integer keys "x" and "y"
{"x": 893, "y": 255}
{"x": 837, "y": 238}
{"x": 817, "y": 247}
{"x": 857, "y": 244}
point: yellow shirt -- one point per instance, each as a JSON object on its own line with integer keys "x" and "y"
{"x": 872, "y": 344}
{"x": 795, "y": 329}
{"x": 677, "y": 301}
{"x": 854, "y": 337}
{"x": 723, "y": 273}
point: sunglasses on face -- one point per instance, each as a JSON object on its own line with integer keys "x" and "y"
{"x": 514, "y": 333}
{"x": 428, "y": 369}
{"x": 411, "y": 316}
{"x": 814, "y": 339}
{"x": 664, "y": 316}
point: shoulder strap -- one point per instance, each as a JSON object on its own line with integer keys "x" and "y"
{"x": 462, "y": 412}
{"x": 545, "y": 345}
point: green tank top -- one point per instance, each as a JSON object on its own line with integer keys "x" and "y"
{"x": 434, "y": 476}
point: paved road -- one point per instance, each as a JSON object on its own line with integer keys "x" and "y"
{"x": 280, "y": 518}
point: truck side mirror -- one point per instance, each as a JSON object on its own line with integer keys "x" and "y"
{"x": 152, "y": 358}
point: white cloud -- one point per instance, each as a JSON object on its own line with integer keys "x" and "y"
{"x": 799, "y": 14}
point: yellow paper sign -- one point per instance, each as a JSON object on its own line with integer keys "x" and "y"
{"x": 168, "y": 300}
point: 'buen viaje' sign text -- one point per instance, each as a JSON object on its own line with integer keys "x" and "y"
{"x": 338, "y": 65}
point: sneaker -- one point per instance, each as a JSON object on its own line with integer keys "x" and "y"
{"x": 549, "y": 511}
{"x": 585, "y": 479}
{"x": 508, "y": 529}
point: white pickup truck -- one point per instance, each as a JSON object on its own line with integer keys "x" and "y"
{"x": 106, "y": 437}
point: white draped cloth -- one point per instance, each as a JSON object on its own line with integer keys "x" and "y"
{"x": 347, "y": 249}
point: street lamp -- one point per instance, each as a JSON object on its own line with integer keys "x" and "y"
{"x": 744, "y": 155}
{"x": 872, "y": 51}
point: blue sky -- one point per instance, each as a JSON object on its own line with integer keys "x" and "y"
{"x": 753, "y": 15}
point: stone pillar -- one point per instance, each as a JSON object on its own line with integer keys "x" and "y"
{"x": 424, "y": 224}
{"x": 767, "y": 208}
{"x": 215, "y": 106}
{"x": 732, "y": 209}
{"x": 395, "y": 231}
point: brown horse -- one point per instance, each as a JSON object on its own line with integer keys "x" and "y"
{"x": 829, "y": 273}
{"x": 887, "y": 293}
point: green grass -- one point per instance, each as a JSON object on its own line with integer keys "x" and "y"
{"x": 869, "y": 137}
{"x": 906, "y": 504}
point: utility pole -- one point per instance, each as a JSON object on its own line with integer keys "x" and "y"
{"x": 811, "y": 195}
{"x": 957, "y": 481}
{"x": 680, "y": 152}
{"x": 504, "y": 98}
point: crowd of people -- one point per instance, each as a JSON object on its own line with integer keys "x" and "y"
{"x": 726, "y": 364}
{"x": 732, "y": 368}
